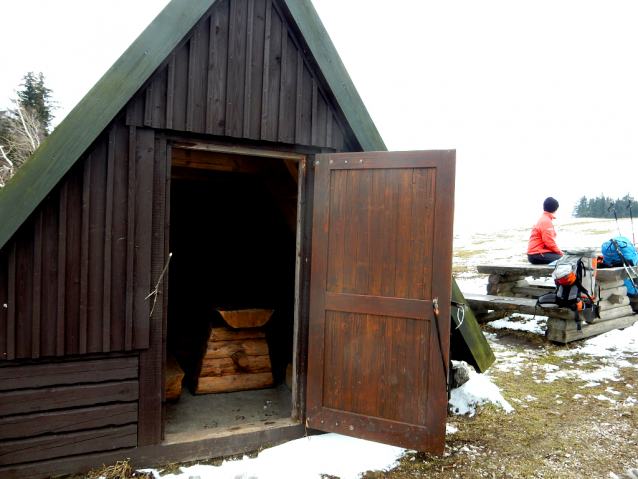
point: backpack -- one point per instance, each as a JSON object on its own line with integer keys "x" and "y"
{"x": 575, "y": 279}
{"x": 613, "y": 259}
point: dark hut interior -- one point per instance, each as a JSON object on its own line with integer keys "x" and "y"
{"x": 233, "y": 239}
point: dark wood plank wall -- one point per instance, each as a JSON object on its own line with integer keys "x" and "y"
{"x": 53, "y": 409}
{"x": 74, "y": 278}
{"x": 242, "y": 73}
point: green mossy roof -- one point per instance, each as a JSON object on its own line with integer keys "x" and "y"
{"x": 83, "y": 125}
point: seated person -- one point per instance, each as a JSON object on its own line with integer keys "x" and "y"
{"x": 542, "y": 247}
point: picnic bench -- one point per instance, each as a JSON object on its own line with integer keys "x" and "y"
{"x": 510, "y": 290}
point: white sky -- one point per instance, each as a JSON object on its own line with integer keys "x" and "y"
{"x": 538, "y": 98}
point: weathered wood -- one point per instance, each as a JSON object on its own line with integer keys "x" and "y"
{"x": 514, "y": 305}
{"x": 564, "y": 331}
{"x": 224, "y": 333}
{"x": 246, "y": 318}
{"x": 604, "y": 285}
{"x": 42, "y": 375}
{"x": 524, "y": 269}
{"x": 532, "y": 291}
{"x": 612, "y": 314}
{"x": 237, "y": 364}
{"x": 45, "y": 399}
{"x": 225, "y": 349}
{"x": 494, "y": 288}
{"x": 27, "y": 425}
{"x": 484, "y": 318}
{"x": 471, "y": 346}
{"x": 239, "y": 382}
{"x": 47, "y": 447}
{"x": 174, "y": 376}
{"x": 613, "y": 302}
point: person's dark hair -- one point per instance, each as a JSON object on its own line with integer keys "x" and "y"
{"x": 550, "y": 205}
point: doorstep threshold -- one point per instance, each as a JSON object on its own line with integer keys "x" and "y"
{"x": 221, "y": 432}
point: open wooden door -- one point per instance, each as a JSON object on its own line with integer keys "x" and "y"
{"x": 381, "y": 253}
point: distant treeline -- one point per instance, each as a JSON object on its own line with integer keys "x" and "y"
{"x": 604, "y": 206}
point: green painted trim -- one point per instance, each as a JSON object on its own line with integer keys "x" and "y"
{"x": 333, "y": 69}
{"x": 46, "y": 167}
{"x": 472, "y": 333}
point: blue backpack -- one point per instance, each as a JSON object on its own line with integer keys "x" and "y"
{"x": 628, "y": 251}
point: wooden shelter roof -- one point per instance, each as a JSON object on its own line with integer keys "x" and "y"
{"x": 83, "y": 125}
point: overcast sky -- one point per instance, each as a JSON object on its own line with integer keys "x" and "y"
{"x": 538, "y": 98}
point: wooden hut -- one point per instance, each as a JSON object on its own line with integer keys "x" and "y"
{"x": 230, "y": 135}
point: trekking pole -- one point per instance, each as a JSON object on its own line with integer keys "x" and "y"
{"x": 632, "y": 222}
{"x": 626, "y": 265}
{"x": 611, "y": 207}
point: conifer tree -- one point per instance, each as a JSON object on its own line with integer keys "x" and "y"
{"x": 37, "y": 97}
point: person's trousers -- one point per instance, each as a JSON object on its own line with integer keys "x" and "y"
{"x": 543, "y": 258}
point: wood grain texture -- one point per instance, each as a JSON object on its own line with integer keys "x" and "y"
{"x": 231, "y": 383}
{"x": 90, "y": 371}
{"x": 378, "y": 355}
{"x": 65, "y": 397}
{"x": 47, "y": 447}
{"x": 57, "y": 422}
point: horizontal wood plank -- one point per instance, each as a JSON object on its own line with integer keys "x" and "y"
{"x": 240, "y": 382}
{"x": 225, "y": 349}
{"x": 47, "y": 447}
{"x": 228, "y": 366}
{"x": 47, "y": 399}
{"x": 526, "y": 269}
{"x": 93, "y": 371}
{"x": 27, "y": 425}
{"x": 374, "y": 160}
{"x": 482, "y": 302}
{"x": 224, "y": 333}
{"x": 562, "y": 331}
{"x": 380, "y": 306}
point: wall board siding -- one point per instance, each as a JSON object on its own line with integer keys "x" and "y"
{"x": 62, "y": 275}
{"x": 26, "y": 401}
{"x": 241, "y": 73}
{"x": 56, "y": 374}
{"x": 50, "y": 446}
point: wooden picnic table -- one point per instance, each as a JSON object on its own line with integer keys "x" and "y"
{"x": 510, "y": 290}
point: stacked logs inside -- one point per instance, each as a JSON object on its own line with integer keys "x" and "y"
{"x": 174, "y": 376}
{"x": 230, "y": 354}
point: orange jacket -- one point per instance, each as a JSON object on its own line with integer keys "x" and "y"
{"x": 542, "y": 239}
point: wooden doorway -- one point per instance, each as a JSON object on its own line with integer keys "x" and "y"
{"x": 234, "y": 240}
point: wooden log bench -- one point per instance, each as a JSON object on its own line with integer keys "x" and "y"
{"x": 509, "y": 290}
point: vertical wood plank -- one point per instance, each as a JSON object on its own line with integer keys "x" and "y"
{"x": 84, "y": 254}
{"x": 255, "y": 94}
{"x": 151, "y": 364}
{"x": 181, "y": 90}
{"x": 404, "y": 228}
{"x": 170, "y": 91}
{"x": 266, "y": 72}
{"x": 271, "y": 112}
{"x": 148, "y": 106}
{"x": 62, "y": 271}
{"x": 236, "y": 68}
{"x": 49, "y": 283}
{"x": 377, "y": 231}
{"x": 314, "y": 126}
{"x": 4, "y": 301}
{"x": 329, "y": 129}
{"x": 338, "y": 226}
{"x": 37, "y": 286}
{"x": 217, "y": 70}
{"x": 282, "y": 82}
{"x": 193, "y": 66}
{"x": 299, "y": 98}
{"x": 362, "y": 260}
{"x": 389, "y": 233}
{"x": 248, "y": 70}
{"x": 306, "y": 107}
{"x": 11, "y": 303}
{"x": 351, "y": 232}
{"x": 108, "y": 237}
{"x": 130, "y": 238}
{"x": 145, "y": 149}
